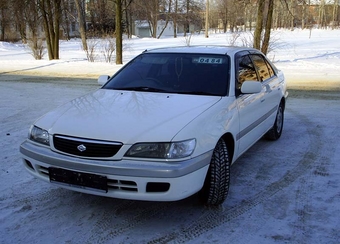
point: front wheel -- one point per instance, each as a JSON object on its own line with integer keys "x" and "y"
{"x": 216, "y": 185}
{"x": 275, "y": 132}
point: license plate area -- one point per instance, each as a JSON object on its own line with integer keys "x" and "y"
{"x": 78, "y": 179}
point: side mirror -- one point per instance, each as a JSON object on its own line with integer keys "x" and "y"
{"x": 249, "y": 87}
{"x": 103, "y": 79}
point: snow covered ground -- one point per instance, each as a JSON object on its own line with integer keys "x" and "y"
{"x": 305, "y": 56}
{"x": 286, "y": 191}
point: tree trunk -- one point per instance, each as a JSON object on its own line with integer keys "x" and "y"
{"x": 57, "y": 16}
{"x": 167, "y": 20}
{"x": 266, "y": 39}
{"x": 335, "y": 14}
{"x": 303, "y": 22}
{"x": 65, "y": 23}
{"x": 186, "y": 24}
{"x": 175, "y": 19}
{"x": 82, "y": 23}
{"x": 127, "y": 20}
{"x": 2, "y": 26}
{"x": 207, "y": 19}
{"x": 259, "y": 25}
{"x": 50, "y": 28}
{"x": 5, "y": 18}
{"x": 292, "y": 20}
{"x": 2, "y": 34}
{"x": 19, "y": 10}
{"x": 119, "y": 34}
{"x": 225, "y": 19}
{"x": 51, "y": 21}
{"x": 321, "y": 20}
{"x": 42, "y": 7}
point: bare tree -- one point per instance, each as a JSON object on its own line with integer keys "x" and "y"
{"x": 335, "y": 16}
{"x": 268, "y": 27}
{"x": 119, "y": 32}
{"x": 264, "y": 18}
{"x": 128, "y": 17}
{"x": 19, "y": 12}
{"x": 153, "y": 16}
{"x": 259, "y": 24}
{"x": 4, "y": 18}
{"x": 187, "y": 17}
{"x": 67, "y": 13}
{"x": 167, "y": 18}
{"x": 233, "y": 14}
{"x": 101, "y": 16}
{"x": 303, "y": 20}
{"x": 148, "y": 11}
{"x": 322, "y": 15}
{"x": 26, "y": 18}
{"x": 80, "y": 5}
{"x": 175, "y": 17}
{"x": 292, "y": 16}
{"x": 120, "y": 6}
{"x": 34, "y": 39}
{"x": 51, "y": 14}
{"x": 192, "y": 11}
{"x": 223, "y": 7}
{"x": 207, "y": 19}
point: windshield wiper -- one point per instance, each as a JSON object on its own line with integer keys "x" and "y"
{"x": 141, "y": 88}
{"x": 198, "y": 93}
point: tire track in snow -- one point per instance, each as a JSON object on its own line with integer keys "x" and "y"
{"x": 302, "y": 229}
{"x": 31, "y": 203}
{"x": 216, "y": 217}
{"x": 305, "y": 187}
{"x": 107, "y": 228}
{"x": 47, "y": 198}
{"x": 38, "y": 198}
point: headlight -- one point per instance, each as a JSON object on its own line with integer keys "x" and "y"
{"x": 171, "y": 150}
{"x": 39, "y": 135}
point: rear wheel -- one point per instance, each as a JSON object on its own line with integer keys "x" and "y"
{"x": 216, "y": 185}
{"x": 275, "y": 132}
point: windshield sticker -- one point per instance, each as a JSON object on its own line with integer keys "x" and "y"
{"x": 154, "y": 60}
{"x": 208, "y": 60}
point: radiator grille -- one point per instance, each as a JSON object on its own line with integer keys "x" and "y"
{"x": 85, "y": 147}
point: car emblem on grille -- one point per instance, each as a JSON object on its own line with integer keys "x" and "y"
{"x": 81, "y": 147}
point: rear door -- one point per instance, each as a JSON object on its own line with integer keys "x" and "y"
{"x": 270, "y": 88}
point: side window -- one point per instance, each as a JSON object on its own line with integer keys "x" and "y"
{"x": 246, "y": 71}
{"x": 261, "y": 67}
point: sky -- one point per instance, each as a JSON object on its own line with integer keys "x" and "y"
{"x": 287, "y": 191}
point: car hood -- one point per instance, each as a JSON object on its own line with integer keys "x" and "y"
{"x": 126, "y": 116}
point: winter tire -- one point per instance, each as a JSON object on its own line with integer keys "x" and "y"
{"x": 275, "y": 132}
{"x": 216, "y": 185}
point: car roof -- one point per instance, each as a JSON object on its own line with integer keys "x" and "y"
{"x": 203, "y": 49}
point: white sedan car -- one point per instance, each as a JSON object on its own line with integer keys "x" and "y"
{"x": 168, "y": 125}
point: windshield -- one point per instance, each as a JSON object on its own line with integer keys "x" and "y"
{"x": 201, "y": 74}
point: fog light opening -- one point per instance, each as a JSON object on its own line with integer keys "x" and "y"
{"x": 157, "y": 187}
{"x": 28, "y": 164}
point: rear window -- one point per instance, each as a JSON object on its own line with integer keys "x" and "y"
{"x": 200, "y": 74}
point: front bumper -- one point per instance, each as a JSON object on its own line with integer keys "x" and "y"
{"x": 126, "y": 179}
